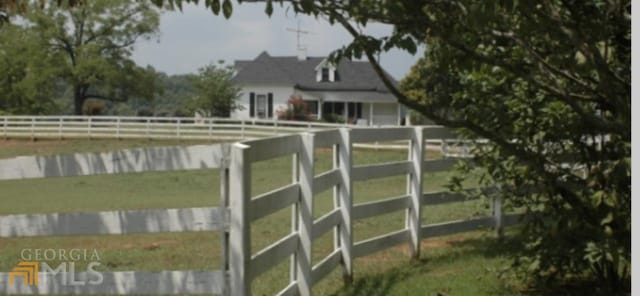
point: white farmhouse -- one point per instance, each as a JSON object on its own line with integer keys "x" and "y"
{"x": 351, "y": 90}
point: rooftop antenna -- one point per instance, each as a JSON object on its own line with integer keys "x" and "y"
{"x": 298, "y": 31}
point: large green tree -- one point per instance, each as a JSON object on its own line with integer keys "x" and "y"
{"x": 548, "y": 83}
{"x": 26, "y": 86}
{"x": 215, "y": 93}
{"x": 93, "y": 43}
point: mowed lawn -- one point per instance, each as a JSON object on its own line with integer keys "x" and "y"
{"x": 454, "y": 265}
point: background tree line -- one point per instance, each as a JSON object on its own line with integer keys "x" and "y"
{"x": 74, "y": 57}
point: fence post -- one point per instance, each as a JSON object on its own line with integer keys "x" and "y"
{"x": 89, "y": 127}
{"x": 118, "y": 128}
{"x": 148, "y": 128}
{"x": 466, "y": 151}
{"x": 178, "y": 129}
{"x": 242, "y": 129}
{"x": 275, "y": 123}
{"x": 60, "y": 125}
{"x": 295, "y": 177}
{"x": 33, "y": 127}
{"x": 240, "y": 228}
{"x": 444, "y": 148}
{"x": 305, "y": 214}
{"x": 224, "y": 204}
{"x": 498, "y": 214}
{"x": 336, "y": 196}
{"x": 414, "y": 187}
{"x": 346, "y": 204}
{"x": 210, "y": 128}
{"x": 6, "y": 128}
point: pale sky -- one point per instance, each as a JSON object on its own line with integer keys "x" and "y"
{"x": 195, "y": 37}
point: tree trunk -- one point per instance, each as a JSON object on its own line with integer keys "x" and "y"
{"x": 78, "y": 100}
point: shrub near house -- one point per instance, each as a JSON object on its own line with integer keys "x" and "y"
{"x": 297, "y": 109}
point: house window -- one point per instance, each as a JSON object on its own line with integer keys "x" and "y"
{"x": 261, "y": 106}
{"x": 325, "y": 74}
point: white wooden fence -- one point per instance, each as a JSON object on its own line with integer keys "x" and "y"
{"x": 246, "y": 207}
{"x": 118, "y": 222}
{"x": 180, "y": 128}
{"x": 239, "y": 266}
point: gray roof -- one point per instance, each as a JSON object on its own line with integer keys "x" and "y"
{"x": 288, "y": 70}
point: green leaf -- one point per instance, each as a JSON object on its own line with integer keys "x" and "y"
{"x": 269, "y": 9}
{"x": 596, "y": 198}
{"x": 535, "y": 265}
{"x": 215, "y": 6}
{"x": 607, "y": 219}
{"x": 610, "y": 199}
{"x": 157, "y": 2}
{"x": 227, "y": 9}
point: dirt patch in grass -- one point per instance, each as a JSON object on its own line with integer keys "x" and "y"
{"x": 403, "y": 252}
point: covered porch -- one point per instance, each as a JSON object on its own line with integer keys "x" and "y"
{"x": 359, "y": 108}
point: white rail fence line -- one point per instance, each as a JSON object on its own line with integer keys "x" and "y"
{"x": 121, "y": 222}
{"x": 246, "y": 207}
{"x": 179, "y": 128}
{"x": 117, "y": 127}
{"x": 239, "y": 266}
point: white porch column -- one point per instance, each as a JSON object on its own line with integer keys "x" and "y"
{"x": 370, "y": 114}
{"x": 320, "y": 103}
{"x": 399, "y": 114}
{"x": 346, "y": 112}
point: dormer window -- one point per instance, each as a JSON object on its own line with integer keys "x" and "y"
{"x": 325, "y": 74}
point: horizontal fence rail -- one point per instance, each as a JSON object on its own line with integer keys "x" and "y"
{"x": 112, "y": 222}
{"x": 118, "y": 162}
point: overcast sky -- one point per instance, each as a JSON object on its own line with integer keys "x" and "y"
{"x": 195, "y": 37}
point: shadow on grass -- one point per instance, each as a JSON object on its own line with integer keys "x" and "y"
{"x": 433, "y": 260}
{"x": 381, "y": 284}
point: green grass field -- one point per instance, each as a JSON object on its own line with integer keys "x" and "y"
{"x": 454, "y": 265}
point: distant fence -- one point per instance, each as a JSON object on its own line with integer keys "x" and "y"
{"x": 120, "y": 127}
{"x": 178, "y": 128}
{"x": 239, "y": 266}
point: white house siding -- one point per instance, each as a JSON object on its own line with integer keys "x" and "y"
{"x": 281, "y": 95}
{"x": 385, "y": 114}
